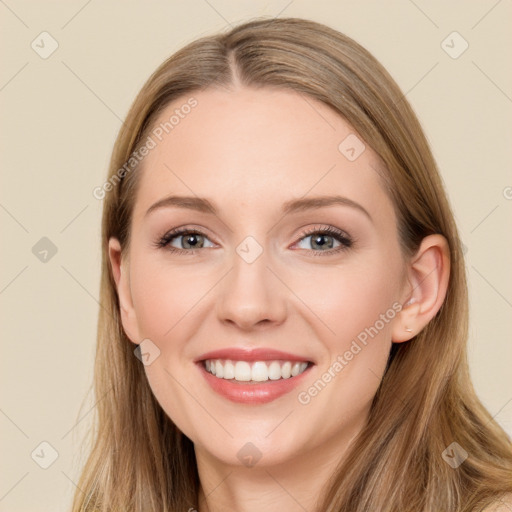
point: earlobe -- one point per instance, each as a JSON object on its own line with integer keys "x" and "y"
{"x": 121, "y": 278}
{"x": 429, "y": 272}
{"x": 406, "y": 324}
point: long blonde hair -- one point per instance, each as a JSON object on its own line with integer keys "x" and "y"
{"x": 141, "y": 462}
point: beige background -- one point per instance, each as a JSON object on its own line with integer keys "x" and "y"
{"x": 60, "y": 117}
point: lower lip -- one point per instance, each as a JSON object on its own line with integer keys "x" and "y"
{"x": 248, "y": 393}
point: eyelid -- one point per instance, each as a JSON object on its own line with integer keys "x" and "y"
{"x": 181, "y": 231}
{"x": 324, "y": 229}
{"x": 345, "y": 240}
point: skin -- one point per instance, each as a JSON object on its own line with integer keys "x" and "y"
{"x": 248, "y": 152}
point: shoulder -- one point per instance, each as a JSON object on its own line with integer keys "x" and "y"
{"x": 502, "y": 504}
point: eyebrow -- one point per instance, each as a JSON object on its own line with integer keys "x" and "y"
{"x": 293, "y": 206}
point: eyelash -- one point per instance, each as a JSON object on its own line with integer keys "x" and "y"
{"x": 345, "y": 240}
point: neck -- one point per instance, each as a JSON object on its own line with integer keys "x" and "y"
{"x": 295, "y": 485}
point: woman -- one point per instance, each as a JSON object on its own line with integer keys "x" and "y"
{"x": 285, "y": 310}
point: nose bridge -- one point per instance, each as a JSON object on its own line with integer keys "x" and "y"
{"x": 250, "y": 293}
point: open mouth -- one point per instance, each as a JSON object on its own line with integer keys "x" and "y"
{"x": 254, "y": 371}
{"x": 253, "y": 376}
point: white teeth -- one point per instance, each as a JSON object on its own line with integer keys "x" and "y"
{"x": 258, "y": 371}
{"x": 295, "y": 369}
{"x": 229, "y": 370}
{"x": 274, "y": 370}
{"x": 242, "y": 370}
{"x": 286, "y": 370}
{"x": 219, "y": 370}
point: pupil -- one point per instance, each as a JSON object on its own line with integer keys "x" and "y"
{"x": 191, "y": 240}
{"x": 317, "y": 241}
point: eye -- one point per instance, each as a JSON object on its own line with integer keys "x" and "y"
{"x": 187, "y": 240}
{"x": 325, "y": 240}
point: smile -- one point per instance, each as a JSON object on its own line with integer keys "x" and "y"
{"x": 256, "y": 371}
{"x": 253, "y": 375}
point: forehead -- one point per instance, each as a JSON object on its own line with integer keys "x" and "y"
{"x": 258, "y": 147}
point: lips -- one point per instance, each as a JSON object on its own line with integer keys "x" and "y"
{"x": 255, "y": 354}
{"x": 258, "y": 381}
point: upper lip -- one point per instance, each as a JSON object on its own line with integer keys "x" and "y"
{"x": 251, "y": 354}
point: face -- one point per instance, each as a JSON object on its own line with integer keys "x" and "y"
{"x": 272, "y": 285}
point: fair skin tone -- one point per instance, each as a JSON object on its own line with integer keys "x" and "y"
{"x": 248, "y": 152}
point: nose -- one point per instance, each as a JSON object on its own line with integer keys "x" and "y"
{"x": 250, "y": 296}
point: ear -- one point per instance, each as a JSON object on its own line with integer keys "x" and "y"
{"x": 428, "y": 276}
{"x": 121, "y": 276}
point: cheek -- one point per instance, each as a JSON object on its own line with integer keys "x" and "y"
{"x": 349, "y": 299}
{"x": 356, "y": 303}
{"x": 162, "y": 296}
{"x": 164, "y": 299}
